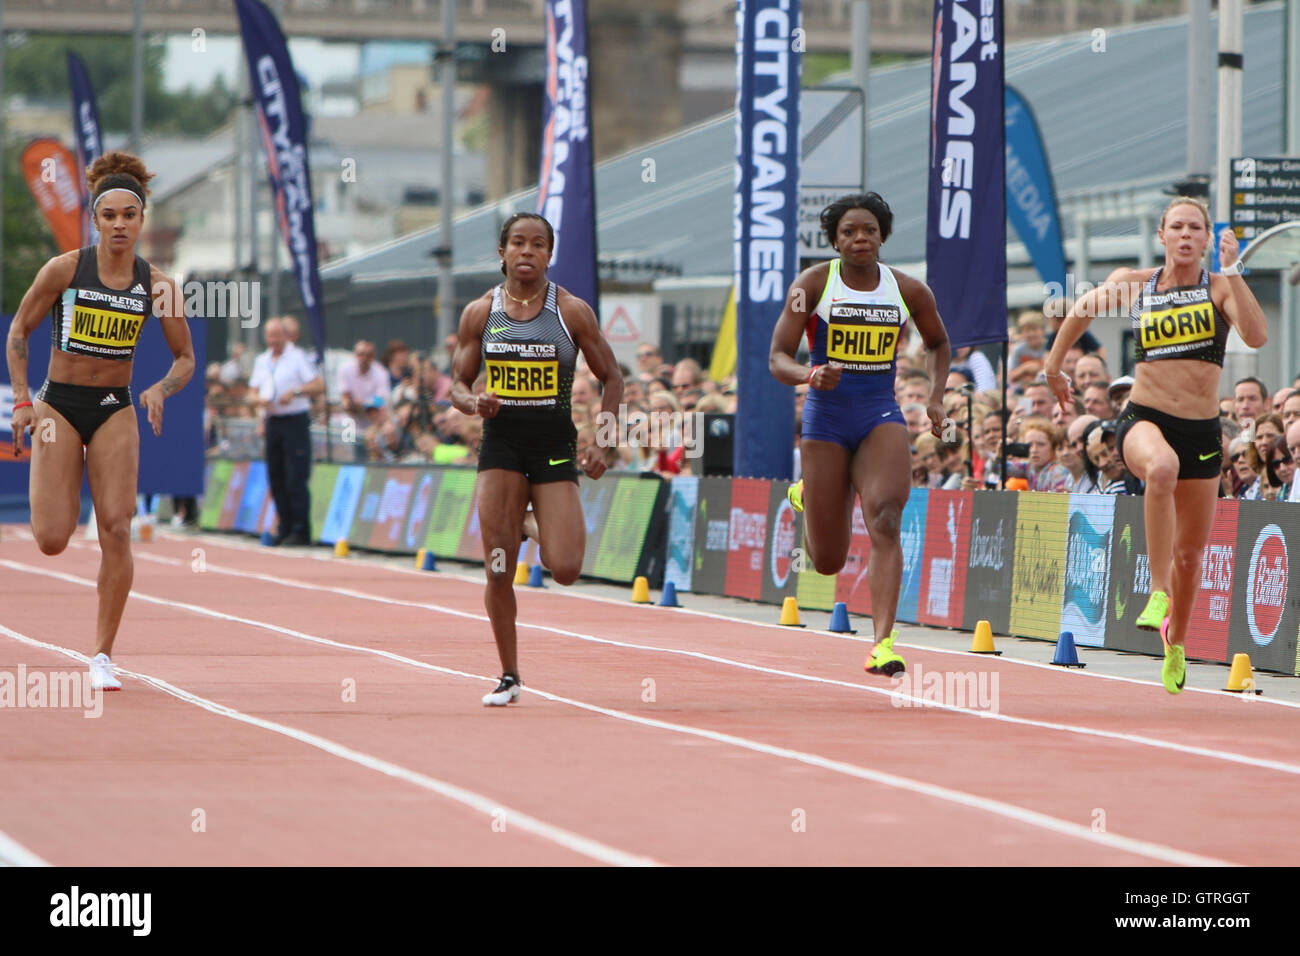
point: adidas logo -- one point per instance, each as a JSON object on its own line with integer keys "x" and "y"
{"x": 110, "y": 399}
{"x": 138, "y": 289}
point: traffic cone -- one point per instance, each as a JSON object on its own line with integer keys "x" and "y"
{"x": 535, "y": 577}
{"x": 1240, "y": 678}
{"x": 641, "y": 591}
{"x": 267, "y": 538}
{"x": 430, "y": 563}
{"x": 790, "y": 613}
{"x": 341, "y": 548}
{"x": 1066, "y": 655}
{"x": 521, "y": 574}
{"x": 982, "y": 643}
{"x": 669, "y": 596}
{"x": 840, "y": 619}
{"x": 419, "y": 559}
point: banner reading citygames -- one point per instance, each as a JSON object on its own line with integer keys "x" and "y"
{"x": 51, "y": 173}
{"x": 566, "y": 194}
{"x": 283, "y": 126}
{"x": 766, "y": 225}
{"x": 85, "y": 124}
{"x": 966, "y": 232}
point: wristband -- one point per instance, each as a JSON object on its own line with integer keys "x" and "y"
{"x": 1235, "y": 269}
{"x": 811, "y": 372}
{"x": 22, "y": 405}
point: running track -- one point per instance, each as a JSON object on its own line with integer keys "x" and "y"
{"x": 233, "y": 715}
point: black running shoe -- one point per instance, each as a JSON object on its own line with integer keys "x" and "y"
{"x": 507, "y": 692}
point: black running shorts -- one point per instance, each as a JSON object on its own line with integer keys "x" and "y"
{"x": 1198, "y": 442}
{"x": 542, "y": 454}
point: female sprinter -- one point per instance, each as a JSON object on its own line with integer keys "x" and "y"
{"x": 82, "y": 419}
{"x": 853, "y": 309}
{"x": 527, "y": 332}
{"x": 1169, "y": 434}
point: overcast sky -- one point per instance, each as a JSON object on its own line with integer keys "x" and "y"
{"x": 315, "y": 60}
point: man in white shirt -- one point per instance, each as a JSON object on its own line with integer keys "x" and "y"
{"x": 285, "y": 379}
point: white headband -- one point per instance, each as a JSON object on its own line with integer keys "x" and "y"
{"x": 117, "y": 189}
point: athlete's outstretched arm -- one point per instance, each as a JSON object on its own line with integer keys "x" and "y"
{"x": 805, "y": 293}
{"x": 466, "y": 361}
{"x": 938, "y": 351}
{"x": 55, "y": 276}
{"x": 170, "y": 309}
{"x": 1239, "y": 303}
{"x": 1113, "y": 297}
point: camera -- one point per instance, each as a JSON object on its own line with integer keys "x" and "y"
{"x": 1017, "y": 449}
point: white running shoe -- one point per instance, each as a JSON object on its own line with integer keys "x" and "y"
{"x": 507, "y": 692}
{"x": 101, "y": 674}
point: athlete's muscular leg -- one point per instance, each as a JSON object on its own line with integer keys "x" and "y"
{"x": 1194, "y": 500}
{"x": 827, "y": 504}
{"x": 502, "y": 497}
{"x": 58, "y": 461}
{"x": 1149, "y": 456}
{"x": 882, "y": 476}
{"x": 561, "y": 528}
{"x": 112, "y": 462}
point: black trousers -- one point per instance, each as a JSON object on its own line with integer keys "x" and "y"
{"x": 288, "y": 466}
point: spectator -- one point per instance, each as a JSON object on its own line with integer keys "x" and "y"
{"x": 927, "y": 456}
{"x": 1279, "y": 469}
{"x": 396, "y": 360}
{"x": 1072, "y": 356}
{"x": 1074, "y": 456}
{"x": 1268, "y": 426}
{"x": 1062, "y": 418}
{"x": 1246, "y": 465}
{"x": 1228, "y": 408}
{"x": 1118, "y": 392}
{"x": 687, "y": 374}
{"x": 1056, "y": 310}
{"x": 1026, "y": 359}
{"x": 1291, "y": 408}
{"x": 1229, "y": 430}
{"x": 449, "y": 347}
{"x": 1115, "y": 478}
{"x": 1280, "y": 397}
{"x": 916, "y": 419}
{"x": 1249, "y": 395}
{"x": 1293, "y": 446}
{"x": 291, "y": 329}
{"x": 648, "y": 360}
{"x": 1040, "y": 400}
{"x": 1090, "y": 370}
{"x": 234, "y": 368}
{"x": 691, "y": 397}
{"x": 952, "y": 461}
{"x": 586, "y": 391}
{"x": 1096, "y": 402}
{"x": 986, "y": 380}
{"x": 364, "y": 389}
{"x": 1044, "y": 441}
{"x": 285, "y": 378}
{"x": 913, "y": 387}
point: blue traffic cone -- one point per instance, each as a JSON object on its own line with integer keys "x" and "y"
{"x": 430, "y": 562}
{"x": 267, "y": 538}
{"x": 1066, "y": 655}
{"x": 535, "y": 577}
{"x": 840, "y": 619}
{"x": 669, "y": 596}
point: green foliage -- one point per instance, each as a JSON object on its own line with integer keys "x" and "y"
{"x": 36, "y": 67}
{"x": 28, "y": 242}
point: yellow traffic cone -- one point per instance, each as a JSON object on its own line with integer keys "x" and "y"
{"x": 341, "y": 548}
{"x": 419, "y": 559}
{"x": 982, "y": 643}
{"x": 521, "y": 574}
{"x": 790, "y": 613}
{"x": 1241, "y": 679}
{"x": 640, "y": 591}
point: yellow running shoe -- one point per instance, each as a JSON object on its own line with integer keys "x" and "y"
{"x": 1157, "y": 610}
{"x": 1174, "y": 671}
{"x": 795, "y": 494}
{"x": 883, "y": 660}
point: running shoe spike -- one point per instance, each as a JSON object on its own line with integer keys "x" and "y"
{"x": 883, "y": 660}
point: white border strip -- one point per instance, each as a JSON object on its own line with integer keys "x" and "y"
{"x": 1009, "y": 811}
{"x": 563, "y": 838}
{"x": 13, "y": 853}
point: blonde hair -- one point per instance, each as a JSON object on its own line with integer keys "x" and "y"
{"x": 1187, "y": 201}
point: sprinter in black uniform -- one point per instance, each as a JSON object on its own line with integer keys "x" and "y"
{"x": 525, "y": 334}
{"x": 82, "y": 420}
{"x": 1169, "y": 434}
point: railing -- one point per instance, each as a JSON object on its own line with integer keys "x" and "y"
{"x": 238, "y": 438}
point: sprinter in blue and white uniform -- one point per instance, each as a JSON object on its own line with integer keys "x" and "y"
{"x": 853, "y": 310}
{"x": 1169, "y": 434}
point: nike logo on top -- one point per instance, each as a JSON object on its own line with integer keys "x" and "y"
{"x": 110, "y": 399}
{"x": 1210, "y": 455}
{"x": 495, "y": 330}
{"x": 558, "y": 461}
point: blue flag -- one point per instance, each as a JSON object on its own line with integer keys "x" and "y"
{"x": 1031, "y": 193}
{"x": 766, "y": 227}
{"x": 966, "y": 225}
{"x": 85, "y": 125}
{"x": 283, "y": 126}
{"x": 567, "y": 193}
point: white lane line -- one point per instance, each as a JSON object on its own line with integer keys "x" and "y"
{"x": 475, "y": 801}
{"x": 912, "y": 700}
{"x": 13, "y": 853}
{"x": 569, "y": 594}
{"x": 997, "y": 807}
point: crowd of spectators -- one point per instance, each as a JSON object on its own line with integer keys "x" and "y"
{"x": 394, "y": 406}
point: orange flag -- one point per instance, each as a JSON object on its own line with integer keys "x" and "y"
{"x": 53, "y": 177}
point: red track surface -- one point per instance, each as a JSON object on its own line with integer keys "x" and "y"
{"x": 719, "y": 768}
